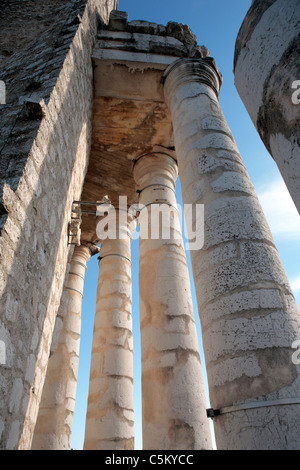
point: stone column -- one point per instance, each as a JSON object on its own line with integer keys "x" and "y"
{"x": 267, "y": 78}
{"x": 173, "y": 396}
{"x": 248, "y": 313}
{"x": 54, "y": 424}
{"x": 110, "y": 415}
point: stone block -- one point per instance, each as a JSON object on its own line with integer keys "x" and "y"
{"x": 118, "y": 20}
{"x": 242, "y": 303}
{"x": 233, "y": 181}
{"x": 145, "y": 27}
{"x": 118, "y": 362}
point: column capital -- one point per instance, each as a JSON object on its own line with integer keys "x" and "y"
{"x": 85, "y": 251}
{"x": 156, "y": 167}
{"x": 186, "y": 70}
{"x": 157, "y": 149}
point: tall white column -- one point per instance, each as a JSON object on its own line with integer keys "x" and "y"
{"x": 267, "y": 78}
{"x": 173, "y": 395}
{"x": 248, "y": 313}
{"x": 54, "y": 424}
{"x": 110, "y": 414}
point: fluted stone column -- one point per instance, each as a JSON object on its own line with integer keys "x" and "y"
{"x": 54, "y": 424}
{"x": 110, "y": 414}
{"x": 267, "y": 78}
{"x": 248, "y": 314}
{"x": 173, "y": 396}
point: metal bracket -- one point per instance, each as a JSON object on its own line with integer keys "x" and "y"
{"x": 211, "y": 413}
{"x": 139, "y": 191}
{"x": 74, "y": 231}
{"x": 113, "y": 254}
{"x": 105, "y": 201}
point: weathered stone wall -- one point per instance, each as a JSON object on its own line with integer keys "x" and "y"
{"x": 45, "y": 139}
{"x": 267, "y": 73}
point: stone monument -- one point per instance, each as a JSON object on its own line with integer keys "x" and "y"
{"x": 101, "y": 110}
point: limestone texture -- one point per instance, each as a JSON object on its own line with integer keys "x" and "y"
{"x": 267, "y": 72}
{"x": 53, "y": 428}
{"x": 44, "y": 159}
{"x": 174, "y": 403}
{"x": 248, "y": 314}
{"x": 110, "y": 413}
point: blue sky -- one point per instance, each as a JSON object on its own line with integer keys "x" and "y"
{"x": 215, "y": 24}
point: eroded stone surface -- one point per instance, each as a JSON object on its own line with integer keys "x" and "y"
{"x": 172, "y": 382}
{"x": 248, "y": 328}
{"x": 54, "y": 422}
{"x": 43, "y": 166}
{"x": 248, "y": 313}
{"x": 110, "y": 413}
{"x": 266, "y": 67}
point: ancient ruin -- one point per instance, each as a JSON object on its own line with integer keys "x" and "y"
{"x": 114, "y": 109}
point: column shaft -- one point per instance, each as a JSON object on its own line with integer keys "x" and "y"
{"x": 173, "y": 395}
{"x": 54, "y": 424}
{"x": 110, "y": 415}
{"x": 267, "y": 78}
{"x": 248, "y": 313}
